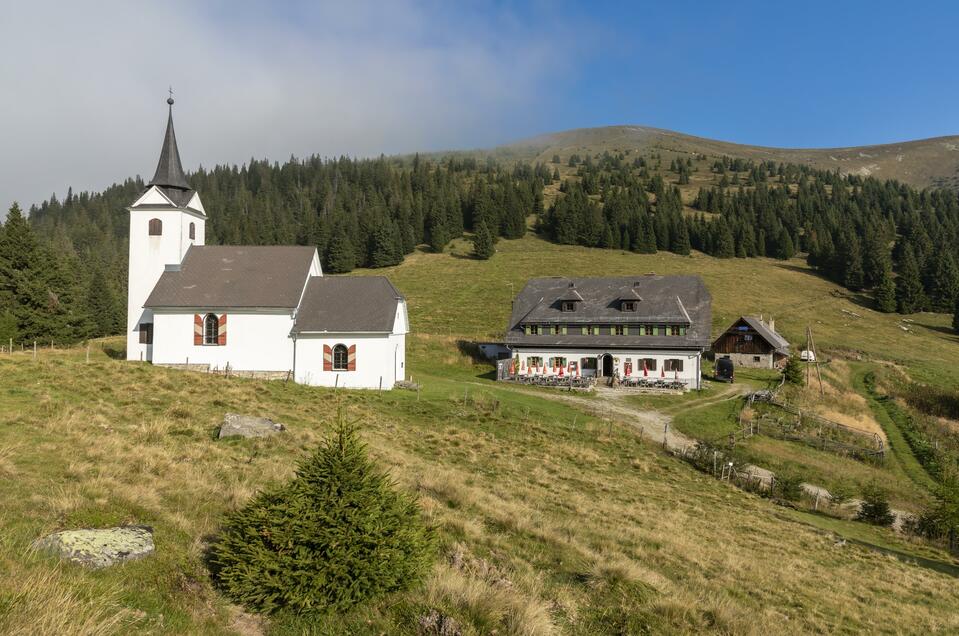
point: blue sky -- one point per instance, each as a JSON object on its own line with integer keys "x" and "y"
{"x": 86, "y": 85}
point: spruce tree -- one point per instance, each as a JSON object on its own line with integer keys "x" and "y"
{"x": 909, "y": 294}
{"x": 785, "y": 249}
{"x": 340, "y": 257}
{"x": 885, "y": 292}
{"x": 955, "y": 317}
{"x": 338, "y": 534}
{"x": 483, "y": 242}
{"x": 101, "y": 305}
{"x": 793, "y": 371}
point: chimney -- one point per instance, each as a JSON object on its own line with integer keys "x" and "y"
{"x": 772, "y": 324}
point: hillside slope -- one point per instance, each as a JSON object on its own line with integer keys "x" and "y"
{"x": 922, "y": 163}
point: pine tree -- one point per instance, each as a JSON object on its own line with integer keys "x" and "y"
{"x": 793, "y": 371}
{"x": 955, "y": 317}
{"x": 339, "y": 534}
{"x": 909, "y": 294}
{"x": 785, "y": 249}
{"x": 340, "y": 257}
{"x": 101, "y": 305}
{"x": 383, "y": 249}
{"x": 853, "y": 276}
{"x": 724, "y": 246}
{"x": 483, "y": 242}
{"x": 884, "y": 292}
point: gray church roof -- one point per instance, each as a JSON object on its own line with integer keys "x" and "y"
{"x": 226, "y": 276}
{"x": 670, "y": 300}
{"x": 169, "y": 171}
{"x": 348, "y": 303}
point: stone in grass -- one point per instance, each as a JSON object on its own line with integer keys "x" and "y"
{"x": 436, "y": 624}
{"x": 99, "y": 547}
{"x": 235, "y": 425}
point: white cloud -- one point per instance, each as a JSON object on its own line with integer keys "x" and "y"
{"x": 83, "y": 104}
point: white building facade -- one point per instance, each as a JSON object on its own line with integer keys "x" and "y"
{"x": 653, "y": 327}
{"x": 257, "y": 310}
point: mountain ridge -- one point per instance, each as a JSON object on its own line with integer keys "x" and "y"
{"x": 931, "y": 162}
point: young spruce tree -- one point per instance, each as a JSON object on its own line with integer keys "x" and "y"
{"x": 483, "y": 242}
{"x": 885, "y": 292}
{"x": 339, "y": 534}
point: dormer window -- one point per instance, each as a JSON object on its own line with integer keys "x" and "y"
{"x": 628, "y": 305}
{"x": 569, "y": 305}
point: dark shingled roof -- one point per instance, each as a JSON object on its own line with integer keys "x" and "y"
{"x": 169, "y": 169}
{"x": 348, "y": 303}
{"x": 776, "y": 341}
{"x": 235, "y": 276}
{"x": 676, "y": 300}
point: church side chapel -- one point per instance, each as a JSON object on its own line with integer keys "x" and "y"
{"x": 264, "y": 311}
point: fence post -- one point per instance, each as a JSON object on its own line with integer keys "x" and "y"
{"x": 88, "y": 353}
{"x": 34, "y": 349}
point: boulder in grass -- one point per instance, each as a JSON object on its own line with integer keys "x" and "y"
{"x": 235, "y": 425}
{"x": 99, "y": 547}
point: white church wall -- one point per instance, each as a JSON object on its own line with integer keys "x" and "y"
{"x": 148, "y": 256}
{"x": 254, "y": 341}
{"x": 380, "y": 360}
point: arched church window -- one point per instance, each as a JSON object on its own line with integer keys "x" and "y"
{"x": 340, "y": 358}
{"x": 156, "y": 227}
{"x": 192, "y": 231}
{"x": 211, "y": 330}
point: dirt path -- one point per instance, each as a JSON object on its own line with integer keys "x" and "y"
{"x": 656, "y": 426}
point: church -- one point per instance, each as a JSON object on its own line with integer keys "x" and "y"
{"x": 262, "y": 311}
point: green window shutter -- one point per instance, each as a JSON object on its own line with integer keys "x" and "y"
{"x": 582, "y": 330}
{"x": 527, "y": 329}
{"x": 625, "y": 330}
{"x": 564, "y": 330}
{"x": 682, "y": 331}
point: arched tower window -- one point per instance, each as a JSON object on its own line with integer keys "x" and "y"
{"x": 211, "y": 330}
{"x": 156, "y": 227}
{"x": 192, "y": 231}
{"x": 340, "y": 358}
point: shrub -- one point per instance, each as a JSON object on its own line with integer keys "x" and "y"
{"x": 788, "y": 487}
{"x": 793, "y": 371}
{"x": 840, "y": 494}
{"x": 338, "y": 534}
{"x": 874, "y": 508}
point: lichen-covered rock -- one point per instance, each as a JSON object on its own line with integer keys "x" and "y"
{"x": 235, "y": 425}
{"x": 436, "y": 624}
{"x": 99, "y": 547}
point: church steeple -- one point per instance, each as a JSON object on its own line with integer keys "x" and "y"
{"x": 169, "y": 169}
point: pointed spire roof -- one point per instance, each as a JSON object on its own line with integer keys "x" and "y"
{"x": 169, "y": 169}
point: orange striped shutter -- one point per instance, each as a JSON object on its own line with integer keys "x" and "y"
{"x": 197, "y": 329}
{"x": 221, "y": 333}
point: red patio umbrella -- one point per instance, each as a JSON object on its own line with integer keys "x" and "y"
{"x": 645, "y": 370}
{"x": 662, "y": 372}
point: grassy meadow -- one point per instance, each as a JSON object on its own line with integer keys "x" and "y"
{"x": 549, "y": 520}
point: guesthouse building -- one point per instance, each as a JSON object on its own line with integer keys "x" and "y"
{"x": 626, "y": 327}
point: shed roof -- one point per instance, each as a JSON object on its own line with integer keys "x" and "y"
{"x": 348, "y": 303}
{"x": 780, "y": 344}
{"x": 236, "y": 276}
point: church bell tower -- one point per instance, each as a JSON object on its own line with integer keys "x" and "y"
{"x": 165, "y": 221}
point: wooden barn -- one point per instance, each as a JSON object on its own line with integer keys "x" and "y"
{"x": 752, "y": 342}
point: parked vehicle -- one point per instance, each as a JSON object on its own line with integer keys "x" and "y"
{"x": 725, "y": 371}
{"x": 807, "y": 356}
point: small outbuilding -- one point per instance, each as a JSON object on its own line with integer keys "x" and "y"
{"x": 752, "y": 342}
